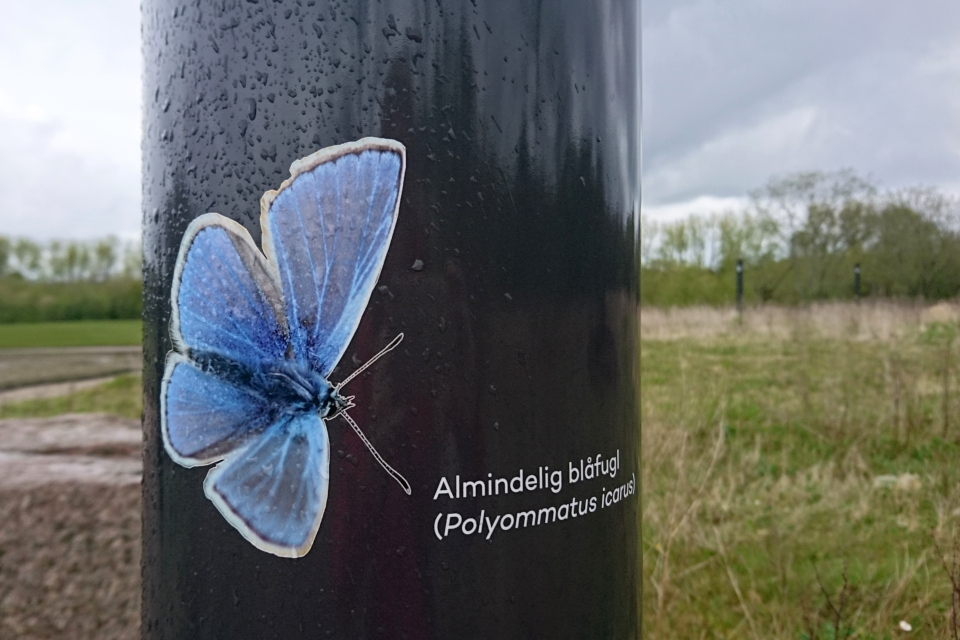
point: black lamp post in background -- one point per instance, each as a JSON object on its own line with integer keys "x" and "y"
{"x": 740, "y": 286}
{"x": 856, "y": 281}
{"x": 512, "y": 273}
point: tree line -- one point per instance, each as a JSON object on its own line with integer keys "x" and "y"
{"x": 70, "y": 260}
{"x": 799, "y": 239}
{"x": 69, "y": 280}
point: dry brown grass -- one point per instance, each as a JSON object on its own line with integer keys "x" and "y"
{"x": 794, "y": 451}
{"x": 874, "y": 320}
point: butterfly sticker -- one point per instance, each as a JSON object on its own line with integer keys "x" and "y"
{"x": 256, "y": 336}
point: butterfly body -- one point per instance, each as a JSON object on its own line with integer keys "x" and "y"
{"x": 291, "y": 386}
{"x": 257, "y": 334}
{"x": 305, "y": 389}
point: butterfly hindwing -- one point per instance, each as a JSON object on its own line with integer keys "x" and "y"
{"x": 203, "y": 417}
{"x": 274, "y": 492}
{"x": 327, "y": 230}
{"x": 225, "y": 297}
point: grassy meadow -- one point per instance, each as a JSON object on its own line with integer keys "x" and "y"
{"x": 800, "y": 465}
{"x": 41, "y": 301}
{"x": 801, "y": 471}
{"x": 122, "y": 396}
{"x": 78, "y": 333}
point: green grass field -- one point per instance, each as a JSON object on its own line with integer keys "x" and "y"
{"x": 122, "y": 396}
{"x": 80, "y": 333}
{"x": 777, "y": 462}
{"x": 38, "y": 301}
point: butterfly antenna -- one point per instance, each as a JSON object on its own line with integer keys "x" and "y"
{"x": 376, "y": 455}
{"x": 387, "y": 349}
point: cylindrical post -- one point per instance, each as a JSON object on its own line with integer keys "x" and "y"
{"x": 856, "y": 281}
{"x": 740, "y": 286}
{"x": 511, "y": 404}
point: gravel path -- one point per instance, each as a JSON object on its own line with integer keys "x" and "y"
{"x": 25, "y": 367}
{"x": 70, "y": 540}
{"x": 52, "y": 390}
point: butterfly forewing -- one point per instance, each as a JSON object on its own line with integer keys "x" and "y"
{"x": 224, "y": 298}
{"x": 328, "y": 229}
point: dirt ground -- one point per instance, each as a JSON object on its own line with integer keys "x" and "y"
{"x": 70, "y": 533}
{"x": 52, "y": 390}
{"x": 23, "y": 367}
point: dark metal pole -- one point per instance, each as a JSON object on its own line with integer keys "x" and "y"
{"x": 856, "y": 281}
{"x": 740, "y": 286}
{"x": 512, "y": 273}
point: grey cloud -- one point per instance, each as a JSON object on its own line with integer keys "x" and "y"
{"x": 736, "y": 92}
{"x": 69, "y": 118}
{"x": 51, "y": 192}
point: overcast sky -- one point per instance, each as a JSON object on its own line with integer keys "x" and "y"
{"x": 70, "y": 118}
{"x": 734, "y": 92}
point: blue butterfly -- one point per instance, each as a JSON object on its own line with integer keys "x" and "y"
{"x": 256, "y": 336}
